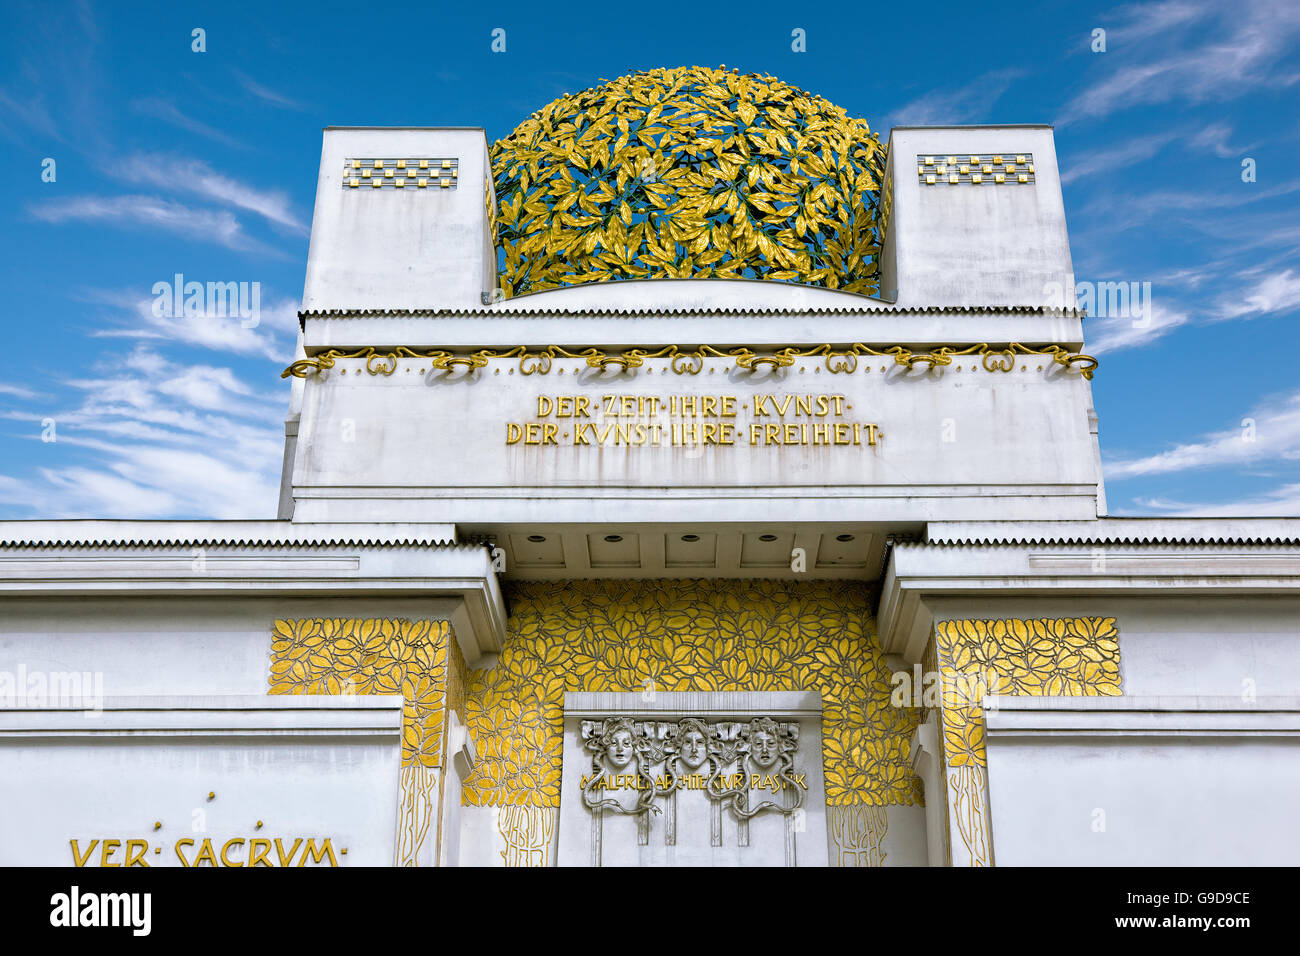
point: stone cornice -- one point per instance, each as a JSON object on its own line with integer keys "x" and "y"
{"x": 462, "y": 574}
{"x": 1145, "y": 530}
{"x": 96, "y": 533}
{"x": 919, "y": 572}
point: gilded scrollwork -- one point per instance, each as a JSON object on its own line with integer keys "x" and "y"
{"x": 857, "y": 835}
{"x": 528, "y": 833}
{"x": 836, "y": 359}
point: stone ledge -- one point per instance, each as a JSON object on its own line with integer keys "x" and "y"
{"x": 716, "y": 704}
{"x": 203, "y": 716}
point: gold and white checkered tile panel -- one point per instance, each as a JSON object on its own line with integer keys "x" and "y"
{"x": 391, "y": 173}
{"x": 988, "y": 169}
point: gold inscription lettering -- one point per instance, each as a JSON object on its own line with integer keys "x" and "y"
{"x": 77, "y": 858}
{"x": 225, "y": 860}
{"x": 135, "y": 851}
{"x": 310, "y": 850}
{"x": 106, "y": 852}
{"x": 634, "y": 421}
{"x": 257, "y": 851}
{"x": 279, "y": 850}
{"x": 206, "y": 852}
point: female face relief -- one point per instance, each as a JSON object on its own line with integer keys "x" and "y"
{"x": 693, "y": 748}
{"x": 620, "y": 751}
{"x": 763, "y": 749}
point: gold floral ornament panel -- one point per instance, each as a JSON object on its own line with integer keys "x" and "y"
{"x": 675, "y": 635}
{"x": 689, "y": 172}
{"x": 1061, "y": 657}
{"x": 374, "y": 656}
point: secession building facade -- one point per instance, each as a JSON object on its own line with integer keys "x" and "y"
{"x": 687, "y": 478}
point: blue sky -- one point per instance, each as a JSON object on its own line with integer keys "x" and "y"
{"x": 173, "y": 161}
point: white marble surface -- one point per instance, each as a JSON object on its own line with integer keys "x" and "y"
{"x": 1174, "y": 781}
{"x": 400, "y": 248}
{"x": 164, "y": 771}
{"x": 974, "y": 245}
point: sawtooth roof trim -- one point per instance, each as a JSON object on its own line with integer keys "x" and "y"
{"x": 1129, "y": 531}
{"x": 242, "y": 534}
{"x": 677, "y": 311}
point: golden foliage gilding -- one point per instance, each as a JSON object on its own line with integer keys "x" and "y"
{"x": 688, "y": 173}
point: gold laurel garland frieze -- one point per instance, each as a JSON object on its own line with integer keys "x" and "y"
{"x": 993, "y": 358}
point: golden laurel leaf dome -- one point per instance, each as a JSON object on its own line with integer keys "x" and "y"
{"x": 688, "y": 173}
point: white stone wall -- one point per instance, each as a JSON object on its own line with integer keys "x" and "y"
{"x": 1133, "y": 781}
{"x": 152, "y": 778}
{"x": 169, "y": 645}
{"x": 400, "y": 248}
{"x": 968, "y": 244}
{"x": 957, "y": 442}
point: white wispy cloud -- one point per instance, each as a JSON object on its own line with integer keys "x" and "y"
{"x": 1113, "y": 333}
{"x": 26, "y": 113}
{"x": 1273, "y": 293}
{"x": 158, "y": 439}
{"x": 1190, "y": 277}
{"x": 273, "y": 336}
{"x": 52, "y": 78}
{"x": 265, "y": 93}
{"x": 1125, "y": 210}
{"x": 18, "y": 391}
{"x": 201, "y": 225}
{"x": 1139, "y": 22}
{"x": 1194, "y": 51}
{"x": 1133, "y": 151}
{"x": 963, "y": 104}
{"x": 1213, "y": 138}
{"x": 144, "y": 482}
{"x": 1245, "y": 294}
{"x": 196, "y": 176}
{"x": 1280, "y": 502}
{"x": 1270, "y": 432}
{"x": 167, "y": 111}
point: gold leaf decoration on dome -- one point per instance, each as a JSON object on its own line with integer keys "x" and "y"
{"x": 690, "y": 172}
{"x": 687, "y": 635}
